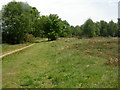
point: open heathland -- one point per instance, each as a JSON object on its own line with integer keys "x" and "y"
{"x": 64, "y": 63}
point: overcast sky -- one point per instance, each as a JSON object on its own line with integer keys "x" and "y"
{"x": 76, "y": 12}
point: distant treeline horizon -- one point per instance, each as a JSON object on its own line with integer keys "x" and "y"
{"x": 22, "y": 22}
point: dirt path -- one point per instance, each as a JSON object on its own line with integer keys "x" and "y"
{"x": 15, "y": 51}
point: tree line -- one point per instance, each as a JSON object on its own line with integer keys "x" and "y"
{"x": 22, "y": 22}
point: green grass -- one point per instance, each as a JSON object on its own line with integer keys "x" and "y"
{"x": 65, "y": 63}
{"x": 8, "y": 47}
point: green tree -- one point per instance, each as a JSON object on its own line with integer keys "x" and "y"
{"x": 118, "y": 30}
{"x": 103, "y": 28}
{"x": 97, "y": 28}
{"x": 89, "y": 28}
{"x": 77, "y": 31}
{"x": 35, "y": 23}
{"x": 16, "y": 22}
{"x": 65, "y": 29}
{"x": 69, "y": 31}
{"x": 52, "y": 26}
{"x": 111, "y": 28}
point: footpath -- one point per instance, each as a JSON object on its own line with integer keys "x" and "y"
{"x": 3, "y": 55}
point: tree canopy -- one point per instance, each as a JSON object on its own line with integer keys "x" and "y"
{"x": 89, "y": 28}
{"x": 16, "y": 23}
{"x": 19, "y": 19}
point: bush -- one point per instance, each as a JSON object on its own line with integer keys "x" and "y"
{"x": 29, "y": 38}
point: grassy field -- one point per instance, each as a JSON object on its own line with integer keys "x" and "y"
{"x": 8, "y": 47}
{"x": 65, "y": 63}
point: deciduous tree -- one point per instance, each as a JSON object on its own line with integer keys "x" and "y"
{"x": 16, "y": 23}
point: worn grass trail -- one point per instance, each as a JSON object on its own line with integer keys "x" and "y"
{"x": 7, "y": 47}
{"x": 64, "y": 63}
{"x": 13, "y": 51}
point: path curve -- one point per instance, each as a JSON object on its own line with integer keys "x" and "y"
{"x": 15, "y": 50}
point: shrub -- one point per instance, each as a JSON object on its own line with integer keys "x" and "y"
{"x": 29, "y": 38}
